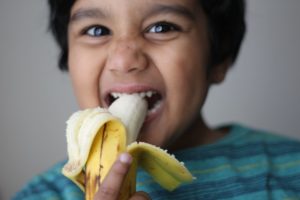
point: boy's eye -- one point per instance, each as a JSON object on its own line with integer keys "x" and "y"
{"x": 163, "y": 27}
{"x": 97, "y": 31}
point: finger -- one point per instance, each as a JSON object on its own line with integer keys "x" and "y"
{"x": 140, "y": 196}
{"x": 110, "y": 188}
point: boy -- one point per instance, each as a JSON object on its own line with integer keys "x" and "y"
{"x": 174, "y": 50}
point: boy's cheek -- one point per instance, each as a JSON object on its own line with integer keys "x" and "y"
{"x": 84, "y": 86}
{"x": 86, "y": 94}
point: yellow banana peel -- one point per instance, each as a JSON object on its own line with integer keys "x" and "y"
{"x": 95, "y": 138}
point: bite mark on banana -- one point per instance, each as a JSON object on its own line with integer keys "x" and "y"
{"x": 95, "y": 137}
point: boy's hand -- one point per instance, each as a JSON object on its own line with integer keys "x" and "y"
{"x": 110, "y": 188}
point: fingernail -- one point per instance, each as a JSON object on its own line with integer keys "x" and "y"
{"x": 125, "y": 158}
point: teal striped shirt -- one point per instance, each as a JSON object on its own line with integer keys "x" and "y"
{"x": 247, "y": 164}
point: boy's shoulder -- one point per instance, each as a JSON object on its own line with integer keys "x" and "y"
{"x": 246, "y": 164}
{"x": 50, "y": 185}
{"x": 242, "y": 135}
{"x": 244, "y": 142}
{"x": 270, "y": 143}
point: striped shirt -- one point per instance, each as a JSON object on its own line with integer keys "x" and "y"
{"x": 247, "y": 164}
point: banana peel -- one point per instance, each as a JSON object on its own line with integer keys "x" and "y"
{"x": 95, "y": 138}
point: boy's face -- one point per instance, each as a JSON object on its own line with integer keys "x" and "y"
{"x": 155, "y": 47}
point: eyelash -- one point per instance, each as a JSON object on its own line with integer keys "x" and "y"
{"x": 158, "y": 27}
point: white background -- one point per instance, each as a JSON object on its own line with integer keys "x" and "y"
{"x": 262, "y": 90}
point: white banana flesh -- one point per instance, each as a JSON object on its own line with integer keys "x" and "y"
{"x": 132, "y": 110}
{"x": 116, "y": 130}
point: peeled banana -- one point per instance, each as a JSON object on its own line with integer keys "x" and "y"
{"x": 95, "y": 137}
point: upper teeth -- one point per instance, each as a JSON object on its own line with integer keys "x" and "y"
{"x": 141, "y": 94}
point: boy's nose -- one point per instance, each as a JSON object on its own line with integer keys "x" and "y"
{"x": 126, "y": 56}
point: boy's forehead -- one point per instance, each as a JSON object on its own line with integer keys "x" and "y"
{"x": 105, "y": 8}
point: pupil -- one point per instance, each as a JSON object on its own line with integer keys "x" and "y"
{"x": 98, "y": 31}
{"x": 159, "y": 28}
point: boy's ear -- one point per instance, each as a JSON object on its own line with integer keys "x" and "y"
{"x": 218, "y": 72}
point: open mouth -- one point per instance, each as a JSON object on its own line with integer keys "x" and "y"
{"x": 153, "y": 98}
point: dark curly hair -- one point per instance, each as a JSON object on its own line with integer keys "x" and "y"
{"x": 226, "y": 25}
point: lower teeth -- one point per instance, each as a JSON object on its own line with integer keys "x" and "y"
{"x": 155, "y": 107}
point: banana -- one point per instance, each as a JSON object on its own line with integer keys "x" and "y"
{"x": 95, "y": 137}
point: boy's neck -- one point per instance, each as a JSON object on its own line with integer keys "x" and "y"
{"x": 198, "y": 134}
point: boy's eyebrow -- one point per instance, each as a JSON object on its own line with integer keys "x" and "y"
{"x": 177, "y": 9}
{"x": 157, "y": 9}
{"x": 87, "y": 13}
